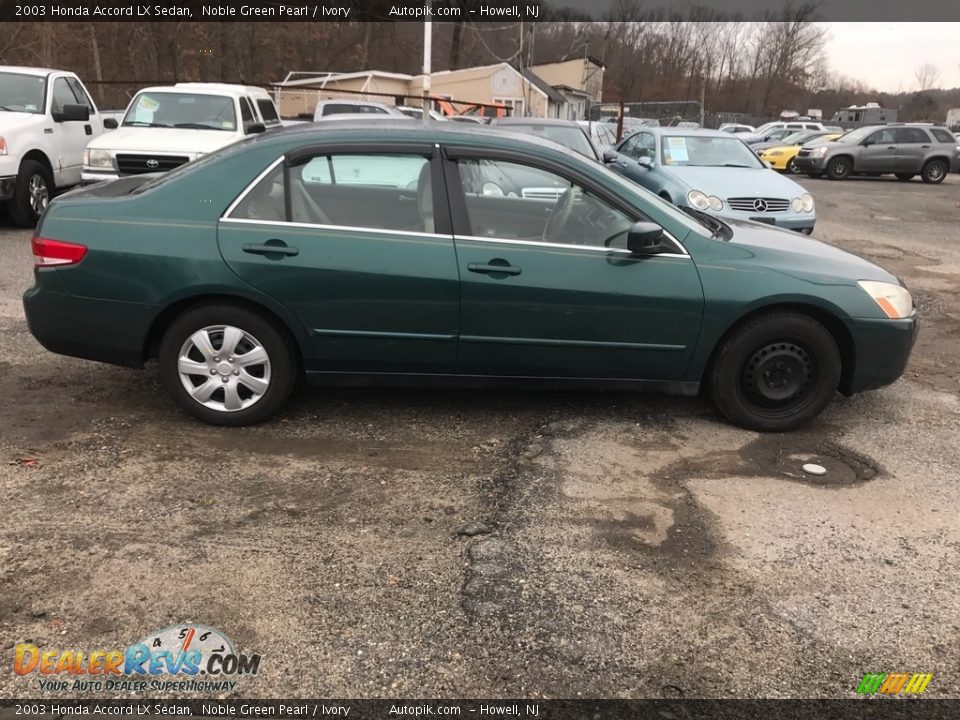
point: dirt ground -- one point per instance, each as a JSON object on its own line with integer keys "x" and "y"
{"x": 497, "y": 544}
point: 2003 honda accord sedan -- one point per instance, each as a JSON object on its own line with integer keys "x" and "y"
{"x": 414, "y": 254}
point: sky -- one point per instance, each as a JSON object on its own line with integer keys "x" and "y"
{"x": 885, "y": 55}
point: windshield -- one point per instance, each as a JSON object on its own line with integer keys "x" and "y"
{"x": 799, "y": 138}
{"x": 855, "y": 136}
{"x": 21, "y": 93}
{"x": 707, "y": 151}
{"x": 571, "y": 137}
{"x": 182, "y": 110}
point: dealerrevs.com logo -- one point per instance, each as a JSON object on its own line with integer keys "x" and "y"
{"x": 894, "y": 683}
{"x": 186, "y": 657}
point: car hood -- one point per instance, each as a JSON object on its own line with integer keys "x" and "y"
{"x": 726, "y": 182}
{"x": 795, "y": 254}
{"x": 183, "y": 140}
{"x": 10, "y": 121}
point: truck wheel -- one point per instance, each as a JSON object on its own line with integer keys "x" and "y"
{"x": 31, "y": 193}
{"x": 839, "y": 168}
{"x": 934, "y": 171}
{"x": 226, "y": 365}
{"x": 775, "y": 373}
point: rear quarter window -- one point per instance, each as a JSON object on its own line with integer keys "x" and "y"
{"x": 944, "y": 136}
{"x": 268, "y": 111}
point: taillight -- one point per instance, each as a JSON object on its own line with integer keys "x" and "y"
{"x": 56, "y": 252}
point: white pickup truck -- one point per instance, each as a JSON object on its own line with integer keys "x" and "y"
{"x": 168, "y": 126}
{"x": 46, "y": 120}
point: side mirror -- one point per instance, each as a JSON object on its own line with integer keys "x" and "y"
{"x": 110, "y": 124}
{"x": 610, "y": 156}
{"x": 867, "y": 143}
{"x": 255, "y": 128}
{"x": 72, "y": 113}
{"x": 645, "y": 238}
{"x": 645, "y": 161}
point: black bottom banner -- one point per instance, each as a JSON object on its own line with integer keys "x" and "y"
{"x": 858, "y": 709}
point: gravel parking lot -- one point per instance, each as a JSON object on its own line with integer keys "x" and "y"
{"x": 503, "y": 543}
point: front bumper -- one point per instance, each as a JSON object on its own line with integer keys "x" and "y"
{"x": 777, "y": 162}
{"x": 88, "y": 177}
{"x": 881, "y": 350}
{"x": 810, "y": 164}
{"x": 8, "y": 185}
{"x": 91, "y": 328}
{"x": 801, "y": 222}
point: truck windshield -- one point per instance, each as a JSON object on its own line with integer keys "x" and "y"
{"x": 21, "y": 93}
{"x": 182, "y": 110}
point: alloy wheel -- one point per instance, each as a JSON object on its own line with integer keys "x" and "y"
{"x": 38, "y": 193}
{"x": 935, "y": 171}
{"x": 224, "y": 368}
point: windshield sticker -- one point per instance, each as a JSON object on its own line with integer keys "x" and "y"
{"x": 226, "y": 125}
{"x": 30, "y": 108}
{"x": 148, "y": 104}
{"x": 677, "y": 150}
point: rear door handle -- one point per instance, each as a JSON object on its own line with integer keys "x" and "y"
{"x": 271, "y": 247}
{"x": 493, "y": 269}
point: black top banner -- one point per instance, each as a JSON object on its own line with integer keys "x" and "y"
{"x": 299, "y": 709}
{"x": 467, "y": 10}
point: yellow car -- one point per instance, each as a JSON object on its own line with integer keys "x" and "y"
{"x": 780, "y": 157}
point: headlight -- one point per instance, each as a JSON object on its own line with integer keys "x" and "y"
{"x": 98, "y": 159}
{"x": 894, "y": 300}
{"x": 806, "y": 201}
{"x": 818, "y": 152}
{"x": 701, "y": 201}
{"x": 698, "y": 200}
{"x": 490, "y": 188}
{"x": 3, "y": 145}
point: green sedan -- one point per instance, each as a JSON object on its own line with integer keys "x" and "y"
{"x": 408, "y": 254}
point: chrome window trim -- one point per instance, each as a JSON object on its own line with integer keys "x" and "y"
{"x": 567, "y": 246}
{"x": 246, "y": 191}
{"x": 343, "y": 228}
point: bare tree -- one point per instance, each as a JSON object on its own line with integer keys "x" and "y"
{"x": 927, "y": 75}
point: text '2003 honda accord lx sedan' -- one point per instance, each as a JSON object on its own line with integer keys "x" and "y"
{"x": 412, "y": 254}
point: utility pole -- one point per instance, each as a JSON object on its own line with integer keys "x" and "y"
{"x": 427, "y": 62}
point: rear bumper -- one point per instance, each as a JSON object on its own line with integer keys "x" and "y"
{"x": 882, "y": 349}
{"x": 7, "y": 186}
{"x": 90, "y": 328}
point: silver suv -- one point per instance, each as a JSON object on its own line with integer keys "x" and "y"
{"x": 903, "y": 150}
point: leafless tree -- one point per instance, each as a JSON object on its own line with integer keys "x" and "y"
{"x": 927, "y": 75}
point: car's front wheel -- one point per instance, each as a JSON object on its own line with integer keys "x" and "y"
{"x": 839, "y": 168}
{"x": 31, "y": 193}
{"x": 226, "y": 365}
{"x": 934, "y": 171}
{"x": 775, "y": 373}
{"x": 792, "y": 167}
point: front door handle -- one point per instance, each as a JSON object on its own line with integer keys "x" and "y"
{"x": 271, "y": 247}
{"x": 493, "y": 269}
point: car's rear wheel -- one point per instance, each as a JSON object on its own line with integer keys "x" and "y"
{"x": 31, "y": 193}
{"x": 839, "y": 168}
{"x": 226, "y": 365}
{"x": 904, "y": 176}
{"x": 934, "y": 171}
{"x": 775, "y": 373}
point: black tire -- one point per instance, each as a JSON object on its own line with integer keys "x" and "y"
{"x": 279, "y": 372}
{"x": 903, "y": 177}
{"x": 792, "y": 168}
{"x": 934, "y": 171}
{"x": 775, "y": 373}
{"x": 32, "y": 177}
{"x": 839, "y": 168}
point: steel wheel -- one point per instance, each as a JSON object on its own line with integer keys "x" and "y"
{"x": 38, "y": 194}
{"x": 224, "y": 368}
{"x": 777, "y": 377}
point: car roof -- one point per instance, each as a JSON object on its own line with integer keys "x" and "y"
{"x": 375, "y": 117}
{"x": 22, "y": 70}
{"x": 533, "y": 121}
{"x": 688, "y": 132}
{"x": 229, "y": 87}
{"x": 197, "y": 89}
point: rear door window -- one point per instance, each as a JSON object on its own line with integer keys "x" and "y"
{"x": 912, "y": 136}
